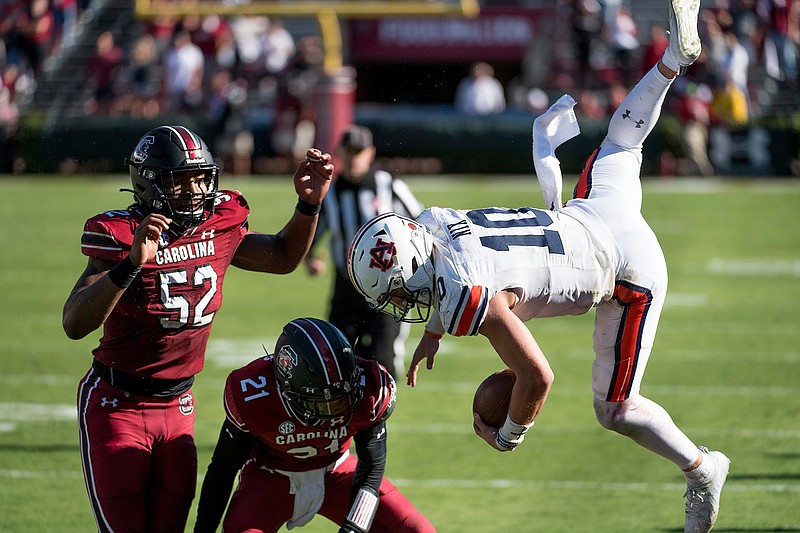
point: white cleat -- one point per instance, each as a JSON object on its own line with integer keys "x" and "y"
{"x": 684, "y": 41}
{"x": 702, "y": 501}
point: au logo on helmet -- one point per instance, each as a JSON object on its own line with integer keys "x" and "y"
{"x": 378, "y": 255}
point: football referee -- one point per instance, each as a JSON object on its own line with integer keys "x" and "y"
{"x": 359, "y": 193}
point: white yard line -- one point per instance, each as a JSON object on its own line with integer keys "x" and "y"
{"x": 577, "y": 485}
{"x": 39, "y": 379}
{"x": 763, "y": 267}
{"x": 37, "y": 412}
{"x": 234, "y": 353}
{"x": 41, "y": 474}
{"x": 444, "y": 483}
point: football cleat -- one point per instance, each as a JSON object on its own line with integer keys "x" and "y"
{"x": 702, "y": 501}
{"x": 684, "y": 41}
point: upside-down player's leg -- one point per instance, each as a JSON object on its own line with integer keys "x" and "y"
{"x": 613, "y": 170}
{"x": 625, "y": 326}
{"x": 611, "y": 174}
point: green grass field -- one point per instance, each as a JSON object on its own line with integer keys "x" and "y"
{"x": 726, "y": 366}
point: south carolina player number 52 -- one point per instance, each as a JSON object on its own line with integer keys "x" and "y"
{"x": 180, "y": 303}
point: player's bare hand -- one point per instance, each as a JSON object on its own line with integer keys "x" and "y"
{"x": 146, "y": 237}
{"x": 426, "y": 349}
{"x": 315, "y": 266}
{"x": 312, "y": 179}
{"x": 486, "y": 432}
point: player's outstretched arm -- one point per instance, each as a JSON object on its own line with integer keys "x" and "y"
{"x": 282, "y": 253}
{"x": 518, "y": 349}
{"x": 426, "y": 349}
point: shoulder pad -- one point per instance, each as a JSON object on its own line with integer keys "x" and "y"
{"x": 230, "y": 404}
{"x": 390, "y": 405}
{"x": 108, "y": 236}
{"x": 380, "y": 390}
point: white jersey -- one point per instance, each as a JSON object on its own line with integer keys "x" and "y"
{"x": 550, "y": 260}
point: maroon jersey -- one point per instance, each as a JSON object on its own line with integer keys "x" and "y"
{"x": 254, "y": 404}
{"x": 160, "y": 326}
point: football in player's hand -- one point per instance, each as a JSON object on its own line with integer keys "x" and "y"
{"x": 493, "y": 397}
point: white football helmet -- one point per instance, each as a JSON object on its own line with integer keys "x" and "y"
{"x": 390, "y": 264}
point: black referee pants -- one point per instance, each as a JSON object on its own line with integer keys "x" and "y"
{"x": 372, "y": 333}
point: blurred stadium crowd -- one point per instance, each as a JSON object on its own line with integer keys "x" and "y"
{"x": 748, "y": 68}
{"x": 222, "y": 67}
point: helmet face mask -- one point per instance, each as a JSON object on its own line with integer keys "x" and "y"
{"x": 184, "y": 204}
{"x": 173, "y": 173}
{"x": 316, "y": 372}
{"x": 390, "y": 265}
{"x": 404, "y": 304}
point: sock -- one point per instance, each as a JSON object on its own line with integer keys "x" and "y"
{"x": 638, "y": 113}
{"x": 702, "y": 474}
{"x": 669, "y": 60}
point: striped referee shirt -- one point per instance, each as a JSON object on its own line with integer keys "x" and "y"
{"x": 348, "y": 206}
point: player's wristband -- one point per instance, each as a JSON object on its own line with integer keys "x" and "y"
{"x": 308, "y": 209}
{"x": 511, "y": 434}
{"x": 124, "y": 272}
{"x": 362, "y": 512}
{"x": 432, "y": 335}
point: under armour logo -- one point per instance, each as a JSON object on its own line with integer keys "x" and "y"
{"x": 207, "y": 234}
{"x": 105, "y": 402}
{"x": 627, "y": 114}
{"x": 378, "y": 255}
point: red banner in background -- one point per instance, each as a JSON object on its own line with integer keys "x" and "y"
{"x": 497, "y": 34}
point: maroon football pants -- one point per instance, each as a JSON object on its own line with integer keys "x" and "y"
{"x": 139, "y": 458}
{"x": 262, "y": 503}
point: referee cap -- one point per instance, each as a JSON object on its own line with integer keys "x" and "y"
{"x": 356, "y": 138}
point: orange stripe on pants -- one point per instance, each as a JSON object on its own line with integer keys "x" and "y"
{"x": 584, "y": 185}
{"x": 636, "y": 302}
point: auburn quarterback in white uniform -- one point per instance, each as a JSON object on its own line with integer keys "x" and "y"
{"x": 489, "y": 270}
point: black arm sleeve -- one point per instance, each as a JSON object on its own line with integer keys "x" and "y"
{"x": 232, "y": 450}
{"x": 371, "y": 451}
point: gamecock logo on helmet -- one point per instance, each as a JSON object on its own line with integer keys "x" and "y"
{"x": 378, "y": 255}
{"x": 287, "y": 359}
{"x": 140, "y": 154}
